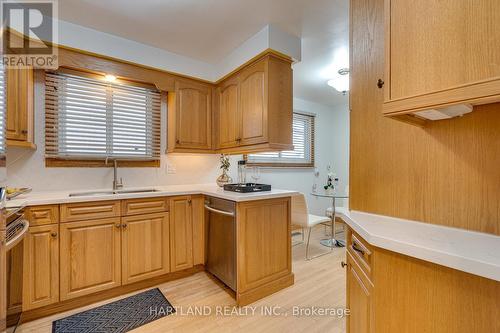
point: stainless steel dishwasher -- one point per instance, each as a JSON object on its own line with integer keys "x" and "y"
{"x": 221, "y": 240}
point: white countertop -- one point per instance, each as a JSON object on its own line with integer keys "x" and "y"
{"x": 472, "y": 252}
{"x": 59, "y": 197}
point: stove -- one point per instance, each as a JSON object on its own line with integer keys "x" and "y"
{"x": 247, "y": 187}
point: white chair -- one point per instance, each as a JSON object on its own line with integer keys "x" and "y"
{"x": 301, "y": 217}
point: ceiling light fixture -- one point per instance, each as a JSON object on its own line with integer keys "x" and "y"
{"x": 341, "y": 81}
{"x": 110, "y": 78}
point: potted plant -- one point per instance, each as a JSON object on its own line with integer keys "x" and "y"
{"x": 329, "y": 187}
{"x": 224, "y": 165}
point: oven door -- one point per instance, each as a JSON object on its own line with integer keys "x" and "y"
{"x": 16, "y": 232}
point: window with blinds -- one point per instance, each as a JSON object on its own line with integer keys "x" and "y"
{"x": 89, "y": 118}
{"x": 303, "y": 143}
{"x": 3, "y": 111}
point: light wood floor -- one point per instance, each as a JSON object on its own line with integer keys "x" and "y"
{"x": 319, "y": 282}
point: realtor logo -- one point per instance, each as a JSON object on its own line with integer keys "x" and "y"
{"x": 29, "y": 31}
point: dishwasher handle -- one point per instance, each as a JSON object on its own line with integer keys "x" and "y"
{"x": 218, "y": 211}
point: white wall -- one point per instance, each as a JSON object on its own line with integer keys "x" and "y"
{"x": 332, "y": 148}
{"x": 27, "y": 168}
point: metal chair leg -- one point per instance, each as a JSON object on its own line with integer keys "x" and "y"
{"x": 302, "y": 234}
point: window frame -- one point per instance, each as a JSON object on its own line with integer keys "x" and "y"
{"x": 54, "y": 161}
{"x": 281, "y": 164}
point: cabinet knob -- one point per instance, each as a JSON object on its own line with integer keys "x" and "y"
{"x": 380, "y": 83}
{"x": 343, "y": 264}
{"x": 53, "y": 235}
{"x": 124, "y": 226}
{"x": 118, "y": 225}
{"x": 189, "y": 201}
{"x": 177, "y": 141}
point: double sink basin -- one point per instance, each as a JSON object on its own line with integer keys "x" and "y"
{"x": 115, "y": 192}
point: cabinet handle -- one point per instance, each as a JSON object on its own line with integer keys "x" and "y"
{"x": 343, "y": 264}
{"x": 356, "y": 248}
{"x": 53, "y": 235}
{"x": 24, "y": 132}
{"x": 177, "y": 141}
{"x": 380, "y": 83}
{"x": 124, "y": 226}
{"x": 189, "y": 201}
{"x": 118, "y": 226}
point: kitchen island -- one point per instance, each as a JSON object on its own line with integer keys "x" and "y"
{"x": 86, "y": 246}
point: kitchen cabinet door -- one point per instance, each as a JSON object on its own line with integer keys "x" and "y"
{"x": 145, "y": 246}
{"x": 90, "y": 257}
{"x": 447, "y": 55}
{"x": 358, "y": 299}
{"x": 41, "y": 266}
{"x": 20, "y": 116}
{"x": 253, "y": 104}
{"x": 229, "y": 114}
{"x": 181, "y": 233}
{"x": 192, "y": 116}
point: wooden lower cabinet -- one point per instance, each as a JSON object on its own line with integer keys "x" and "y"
{"x": 358, "y": 298}
{"x": 405, "y": 294}
{"x": 145, "y": 247}
{"x": 264, "y": 262}
{"x": 181, "y": 233}
{"x": 41, "y": 267}
{"x": 90, "y": 257}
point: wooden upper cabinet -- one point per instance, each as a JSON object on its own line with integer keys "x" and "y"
{"x": 20, "y": 114}
{"x": 145, "y": 247}
{"x": 181, "y": 233}
{"x": 447, "y": 55}
{"x": 41, "y": 267}
{"x": 253, "y": 104}
{"x": 229, "y": 121}
{"x": 190, "y": 117}
{"x": 90, "y": 257}
{"x": 255, "y": 107}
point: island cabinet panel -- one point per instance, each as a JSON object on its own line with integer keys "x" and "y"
{"x": 145, "y": 247}
{"x": 90, "y": 257}
{"x": 263, "y": 248}
{"x": 41, "y": 266}
{"x": 181, "y": 233}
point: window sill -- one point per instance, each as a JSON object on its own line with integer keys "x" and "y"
{"x": 281, "y": 165}
{"x": 64, "y": 163}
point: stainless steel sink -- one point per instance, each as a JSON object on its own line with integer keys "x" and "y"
{"x": 87, "y": 194}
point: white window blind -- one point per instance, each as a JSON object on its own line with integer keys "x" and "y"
{"x": 88, "y": 118}
{"x": 3, "y": 107}
{"x": 303, "y": 144}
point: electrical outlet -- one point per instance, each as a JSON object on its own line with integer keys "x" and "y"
{"x": 171, "y": 170}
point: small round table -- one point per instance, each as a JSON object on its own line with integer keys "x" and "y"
{"x": 331, "y": 242}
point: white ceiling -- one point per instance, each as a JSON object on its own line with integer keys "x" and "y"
{"x": 209, "y": 30}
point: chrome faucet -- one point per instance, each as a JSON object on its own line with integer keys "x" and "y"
{"x": 117, "y": 185}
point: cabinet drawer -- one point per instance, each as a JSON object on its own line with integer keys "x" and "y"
{"x": 42, "y": 215}
{"x": 361, "y": 251}
{"x": 144, "y": 206}
{"x": 89, "y": 210}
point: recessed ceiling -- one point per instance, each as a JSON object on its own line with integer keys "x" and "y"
{"x": 209, "y": 30}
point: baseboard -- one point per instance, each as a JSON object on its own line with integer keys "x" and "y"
{"x": 49, "y": 310}
{"x": 267, "y": 289}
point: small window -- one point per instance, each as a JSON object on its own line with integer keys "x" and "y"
{"x": 89, "y": 118}
{"x": 303, "y": 143}
{"x": 2, "y": 110}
